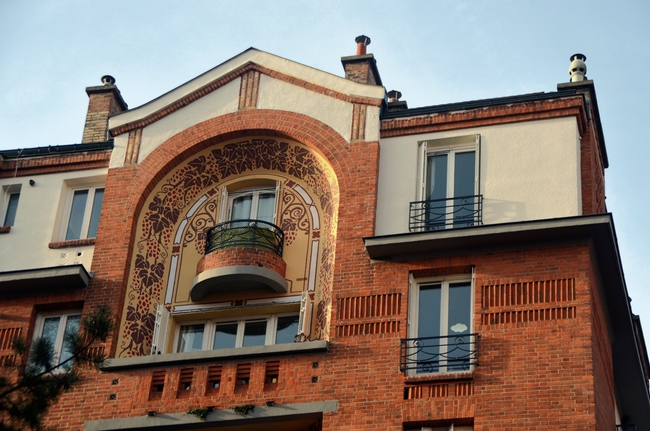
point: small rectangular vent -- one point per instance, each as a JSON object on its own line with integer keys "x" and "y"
{"x": 367, "y": 328}
{"x": 360, "y": 307}
{"x": 272, "y": 372}
{"x": 157, "y": 384}
{"x": 536, "y": 315}
{"x": 426, "y": 391}
{"x": 464, "y": 389}
{"x": 7, "y": 337}
{"x": 214, "y": 378}
{"x": 185, "y": 382}
{"x": 528, "y": 293}
{"x": 243, "y": 375}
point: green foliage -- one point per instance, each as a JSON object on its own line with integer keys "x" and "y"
{"x": 27, "y": 394}
{"x": 199, "y": 413}
{"x": 243, "y": 410}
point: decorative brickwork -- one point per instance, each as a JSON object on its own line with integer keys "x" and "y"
{"x": 133, "y": 147}
{"x": 358, "y": 132}
{"x": 249, "y": 89}
{"x": 54, "y": 164}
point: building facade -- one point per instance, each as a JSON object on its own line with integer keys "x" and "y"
{"x": 291, "y": 249}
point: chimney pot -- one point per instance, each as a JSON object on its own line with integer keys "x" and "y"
{"x": 362, "y": 41}
{"x": 577, "y": 68}
{"x": 393, "y": 96}
{"x": 108, "y": 80}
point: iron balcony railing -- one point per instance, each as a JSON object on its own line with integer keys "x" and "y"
{"x": 438, "y": 214}
{"x": 439, "y": 354}
{"x": 627, "y": 427}
{"x": 245, "y": 233}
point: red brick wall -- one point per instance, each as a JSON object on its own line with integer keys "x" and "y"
{"x": 537, "y": 374}
{"x": 236, "y": 256}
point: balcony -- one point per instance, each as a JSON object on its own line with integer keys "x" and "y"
{"x": 453, "y": 353}
{"x": 439, "y": 214}
{"x": 245, "y": 233}
{"x": 241, "y": 255}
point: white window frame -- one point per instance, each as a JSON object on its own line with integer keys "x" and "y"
{"x": 92, "y": 188}
{"x": 209, "y": 329}
{"x": 413, "y": 314}
{"x": 60, "y": 335}
{"x": 7, "y": 192}
{"x": 227, "y": 198}
{"x": 452, "y": 146}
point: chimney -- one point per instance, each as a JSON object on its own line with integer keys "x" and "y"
{"x": 104, "y": 101}
{"x": 362, "y": 67}
{"x": 394, "y": 104}
{"x": 578, "y": 68}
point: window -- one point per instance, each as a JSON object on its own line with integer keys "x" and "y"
{"x": 55, "y": 328}
{"x": 440, "y": 326}
{"x": 448, "y": 194}
{"x": 224, "y": 334}
{"x": 82, "y": 217}
{"x": 12, "y": 206}
{"x": 250, "y": 200}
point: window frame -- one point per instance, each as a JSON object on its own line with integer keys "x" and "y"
{"x": 248, "y": 187}
{"x": 414, "y": 305}
{"x": 210, "y": 325}
{"x": 58, "y": 344}
{"x": 88, "y": 210}
{"x": 453, "y": 146}
{"x": 8, "y": 193}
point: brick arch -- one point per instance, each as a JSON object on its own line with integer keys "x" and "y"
{"x": 314, "y": 134}
{"x": 136, "y": 183}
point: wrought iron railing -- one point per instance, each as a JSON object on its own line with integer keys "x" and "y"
{"x": 245, "y": 233}
{"x": 438, "y": 214}
{"x": 439, "y": 354}
{"x": 627, "y": 427}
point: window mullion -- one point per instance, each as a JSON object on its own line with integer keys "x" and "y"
{"x": 444, "y": 325}
{"x": 60, "y": 335}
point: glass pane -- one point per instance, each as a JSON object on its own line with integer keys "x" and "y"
{"x": 51, "y": 329}
{"x": 436, "y": 189}
{"x": 266, "y": 207}
{"x": 76, "y": 214}
{"x": 191, "y": 338}
{"x": 458, "y": 326}
{"x": 428, "y": 350}
{"x": 225, "y": 336}
{"x": 287, "y": 329}
{"x": 12, "y": 206}
{"x": 464, "y": 172}
{"x": 71, "y": 327}
{"x": 254, "y": 333}
{"x": 94, "y": 214}
{"x": 241, "y": 208}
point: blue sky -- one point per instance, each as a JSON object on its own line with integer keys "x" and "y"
{"x": 432, "y": 51}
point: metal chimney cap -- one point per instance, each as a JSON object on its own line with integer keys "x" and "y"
{"x": 108, "y": 80}
{"x": 362, "y": 39}
{"x": 577, "y": 68}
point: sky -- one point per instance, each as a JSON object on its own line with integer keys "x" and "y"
{"x": 433, "y": 51}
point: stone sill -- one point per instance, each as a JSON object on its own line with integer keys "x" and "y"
{"x": 72, "y": 243}
{"x": 435, "y": 377}
{"x": 239, "y": 353}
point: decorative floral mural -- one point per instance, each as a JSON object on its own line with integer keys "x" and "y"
{"x": 189, "y": 195}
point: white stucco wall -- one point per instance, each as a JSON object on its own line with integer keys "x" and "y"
{"x": 38, "y": 222}
{"x": 528, "y": 171}
{"x": 275, "y": 94}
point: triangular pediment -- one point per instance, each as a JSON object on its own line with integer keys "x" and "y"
{"x": 248, "y": 64}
